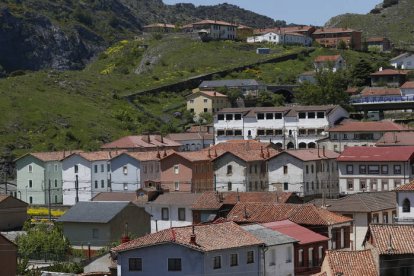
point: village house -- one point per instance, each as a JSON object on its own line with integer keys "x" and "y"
{"x": 100, "y": 223}
{"x": 333, "y": 63}
{"x": 200, "y": 102}
{"x": 159, "y": 28}
{"x": 13, "y": 213}
{"x": 378, "y": 44}
{"x": 363, "y": 208}
{"x": 243, "y": 32}
{"x": 333, "y": 226}
{"x": 171, "y": 210}
{"x": 213, "y": 205}
{"x": 220, "y": 248}
{"x": 248, "y": 87}
{"x": 37, "y": 173}
{"x": 187, "y": 172}
{"x": 392, "y": 247}
{"x": 277, "y": 256}
{"x": 307, "y": 172}
{"x": 389, "y": 77}
{"x": 403, "y": 61}
{"x": 308, "y": 76}
{"x": 286, "y": 127}
{"x": 350, "y": 263}
{"x": 405, "y": 200}
{"x": 304, "y": 30}
{"x": 369, "y": 169}
{"x": 282, "y": 38}
{"x": 331, "y": 37}
{"x": 407, "y": 89}
{"x": 351, "y": 133}
{"x": 392, "y": 139}
{"x": 8, "y": 257}
{"x": 213, "y": 29}
{"x": 310, "y": 249}
{"x": 192, "y": 141}
{"x": 141, "y": 143}
{"x": 85, "y": 174}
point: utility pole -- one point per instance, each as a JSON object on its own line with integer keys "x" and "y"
{"x": 49, "y": 204}
{"x": 77, "y": 189}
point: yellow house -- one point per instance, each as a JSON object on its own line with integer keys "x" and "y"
{"x": 206, "y": 101}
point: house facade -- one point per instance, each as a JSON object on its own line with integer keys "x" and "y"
{"x": 13, "y": 213}
{"x": 334, "y": 63}
{"x": 331, "y": 37}
{"x": 308, "y": 172}
{"x": 378, "y": 44}
{"x": 368, "y": 169}
{"x": 287, "y": 127}
{"x": 403, "y": 61}
{"x": 213, "y": 29}
{"x": 281, "y": 38}
{"x": 407, "y": 89}
{"x": 389, "y": 78}
{"x": 192, "y": 141}
{"x": 405, "y": 200}
{"x": 206, "y": 102}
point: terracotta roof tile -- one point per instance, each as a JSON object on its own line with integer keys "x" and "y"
{"x": 209, "y": 237}
{"x": 327, "y": 58}
{"x": 406, "y": 187}
{"x": 176, "y": 199}
{"x": 351, "y": 263}
{"x": 401, "y": 238}
{"x": 150, "y": 155}
{"x": 380, "y": 91}
{"x": 408, "y": 85}
{"x": 163, "y": 25}
{"x": 50, "y": 156}
{"x": 97, "y": 155}
{"x": 379, "y": 154}
{"x": 193, "y": 156}
{"x": 186, "y": 136}
{"x": 357, "y": 126}
{"x": 311, "y": 154}
{"x": 141, "y": 141}
{"x": 334, "y": 30}
{"x": 396, "y": 139}
{"x": 387, "y": 72}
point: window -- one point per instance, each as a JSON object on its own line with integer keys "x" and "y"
{"x": 397, "y": 183}
{"x": 56, "y": 200}
{"x": 320, "y": 254}
{"x": 234, "y": 259}
{"x": 30, "y": 200}
{"x": 269, "y": 116}
{"x": 362, "y": 169}
{"x": 95, "y": 233}
{"x": 373, "y": 184}
{"x": 278, "y": 116}
{"x": 310, "y": 257}
{"x": 311, "y": 115}
{"x": 205, "y": 100}
{"x": 237, "y": 132}
{"x": 237, "y": 117}
{"x": 30, "y": 183}
{"x": 135, "y": 264}
{"x": 125, "y": 169}
{"x": 362, "y": 184}
{"x": 102, "y": 168}
{"x": 375, "y": 218}
{"x": 55, "y": 183}
{"x": 229, "y": 132}
{"x": 311, "y": 168}
{"x": 229, "y": 186}
{"x": 125, "y": 186}
{"x": 384, "y": 184}
{"x": 76, "y": 168}
{"x": 307, "y": 169}
{"x": 406, "y": 208}
{"x": 300, "y": 257}
{"x": 260, "y": 116}
{"x": 385, "y": 217}
{"x": 205, "y": 109}
{"x": 373, "y": 169}
{"x": 288, "y": 254}
{"x": 217, "y": 262}
{"x": 192, "y": 110}
{"x": 176, "y": 186}
{"x": 229, "y": 117}
{"x": 174, "y": 264}
{"x": 260, "y": 132}
{"x": 269, "y": 132}
{"x": 285, "y": 186}
{"x": 229, "y": 169}
{"x": 350, "y": 184}
{"x": 176, "y": 169}
{"x": 102, "y": 184}
{"x": 220, "y": 117}
{"x": 56, "y": 167}
{"x": 397, "y": 169}
{"x": 285, "y": 169}
{"x": 302, "y": 115}
{"x": 349, "y": 169}
{"x": 165, "y": 214}
{"x": 30, "y": 168}
{"x": 96, "y": 184}
{"x": 96, "y": 169}
{"x": 384, "y": 169}
{"x": 181, "y": 214}
{"x": 220, "y": 132}
{"x": 250, "y": 257}
{"x": 320, "y": 115}
{"x": 345, "y": 136}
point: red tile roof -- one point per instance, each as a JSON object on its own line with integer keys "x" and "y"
{"x": 215, "y": 22}
{"x": 311, "y": 154}
{"x": 213, "y": 94}
{"x": 377, "y": 39}
{"x": 193, "y": 156}
{"x": 187, "y": 136}
{"x": 408, "y": 85}
{"x": 304, "y": 214}
{"x": 405, "y": 138}
{"x": 351, "y": 263}
{"x": 376, "y": 154}
{"x": 97, "y": 155}
{"x": 380, "y": 91}
{"x": 401, "y": 241}
{"x": 50, "y": 156}
{"x": 141, "y": 141}
{"x": 327, "y": 58}
{"x": 300, "y": 233}
{"x": 162, "y": 25}
{"x": 150, "y": 155}
{"x": 387, "y": 72}
{"x": 357, "y": 126}
{"x": 334, "y": 30}
{"x": 406, "y": 187}
{"x": 252, "y": 155}
{"x": 210, "y": 237}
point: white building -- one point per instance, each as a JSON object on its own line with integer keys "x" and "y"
{"x": 213, "y": 29}
{"x": 192, "y": 141}
{"x": 307, "y": 172}
{"x": 405, "y": 201}
{"x": 367, "y": 169}
{"x": 171, "y": 210}
{"x": 403, "y": 61}
{"x": 407, "y": 89}
{"x": 84, "y": 175}
{"x": 281, "y": 38}
{"x": 334, "y": 63}
{"x": 287, "y": 127}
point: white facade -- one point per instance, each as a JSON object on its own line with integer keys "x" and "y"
{"x": 335, "y": 66}
{"x": 338, "y": 141}
{"x": 270, "y": 37}
{"x": 405, "y": 207}
{"x": 286, "y": 127}
{"x": 407, "y": 92}
{"x": 357, "y": 177}
{"x": 405, "y": 61}
{"x": 167, "y": 216}
{"x": 281, "y": 38}
{"x": 279, "y": 260}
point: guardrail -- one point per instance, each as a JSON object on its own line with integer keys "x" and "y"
{"x": 382, "y": 99}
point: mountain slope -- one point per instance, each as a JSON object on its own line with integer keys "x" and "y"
{"x": 395, "y": 22}
{"x": 66, "y": 34}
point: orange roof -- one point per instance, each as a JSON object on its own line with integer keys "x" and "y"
{"x": 304, "y": 214}
{"x": 380, "y": 91}
{"x": 193, "y": 156}
{"x": 213, "y": 94}
{"x": 357, "y": 126}
{"x": 215, "y": 22}
{"x": 162, "y": 25}
{"x": 312, "y": 154}
{"x": 351, "y": 263}
{"x": 377, "y": 154}
{"x": 408, "y": 85}
{"x": 405, "y": 138}
{"x": 50, "y": 156}
{"x": 327, "y": 58}
{"x": 97, "y": 155}
{"x": 406, "y": 187}
{"x": 141, "y": 141}
{"x": 252, "y": 154}
{"x": 150, "y": 155}
{"x": 210, "y": 237}
{"x": 387, "y": 72}
{"x": 334, "y": 30}
{"x": 392, "y": 239}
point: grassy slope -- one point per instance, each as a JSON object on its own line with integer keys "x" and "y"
{"x": 82, "y": 109}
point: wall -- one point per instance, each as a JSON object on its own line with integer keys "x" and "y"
{"x": 401, "y": 196}
{"x": 138, "y": 222}
{"x": 158, "y": 224}
{"x": 169, "y": 177}
{"x": 82, "y": 233}
{"x": 151, "y": 171}
{"x": 404, "y": 63}
{"x": 13, "y": 214}
{"x": 8, "y": 257}
{"x": 37, "y": 191}
{"x": 237, "y": 178}
{"x": 276, "y": 262}
{"x": 99, "y": 177}
{"x": 53, "y": 174}
{"x": 129, "y": 181}
{"x": 69, "y": 178}
{"x": 294, "y": 177}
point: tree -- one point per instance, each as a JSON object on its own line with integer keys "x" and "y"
{"x": 329, "y": 89}
{"x": 361, "y": 72}
{"x": 205, "y": 118}
{"x": 266, "y": 98}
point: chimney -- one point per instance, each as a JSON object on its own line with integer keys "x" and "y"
{"x": 323, "y": 151}
{"x": 261, "y": 152}
{"x": 125, "y": 237}
{"x": 246, "y": 216}
{"x": 319, "y": 155}
{"x": 193, "y": 237}
{"x": 215, "y": 93}
{"x": 158, "y": 153}
{"x": 165, "y": 152}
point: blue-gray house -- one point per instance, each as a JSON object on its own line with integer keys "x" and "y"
{"x": 219, "y": 248}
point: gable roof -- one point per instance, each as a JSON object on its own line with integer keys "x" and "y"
{"x": 378, "y": 126}
{"x": 141, "y": 141}
{"x": 268, "y": 236}
{"x": 96, "y": 155}
{"x": 153, "y": 155}
{"x": 3, "y": 198}
{"x": 209, "y": 237}
{"x": 404, "y": 55}
{"x": 297, "y": 232}
{"x": 310, "y": 154}
{"x": 252, "y": 154}
{"x": 380, "y": 91}
{"x": 115, "y": 196}
{"x": 372, "y": 154}
{"x": 214, "y": 22}
{"x": 408, "y": 85}
{"x": 192, "y": 156}
{"x": 49, "y": 156}
{"x": 176, "y": 199}
{"x": 332, "y": 58}
{"x": 334, "y": 30}
{"x": 387, "y": 72}
{"x": 392, "y": 239}
{"x": 3, "y": 237}
{"x": 351, "y": 263}
{"x": 405, "y": 138}
{"x": 93, "y": 211}
{"x": 304, "y": 214}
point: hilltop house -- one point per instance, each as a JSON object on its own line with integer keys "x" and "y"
{"x": 279, "y": 37}
{"x": 159, "y": 28}
{"x": 331, "y": 37}
{"x": 247, "y": 86}
{"x": 403, "y": 61}
{"x": 304, "y": 30}
{"x": 213, "y": 29}
{"x": 381, "y": 44}
{"x": 333, "y": 63}
{"x": 389, "y": 77}
{"x": 206, "y": 102}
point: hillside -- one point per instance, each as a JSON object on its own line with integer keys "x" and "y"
{"x": 395, "y": 22}
{"x": 66, "y": 34}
